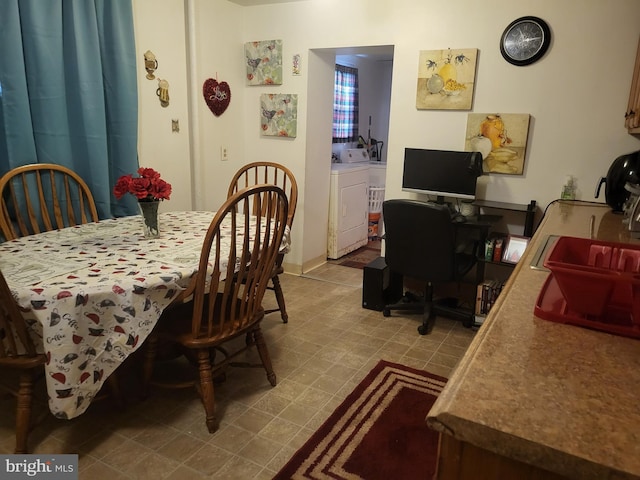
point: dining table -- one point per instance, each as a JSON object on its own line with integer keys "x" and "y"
{"x": 91, "y": 294}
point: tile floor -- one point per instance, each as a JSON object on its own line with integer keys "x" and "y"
{"x": 328, "y": 346}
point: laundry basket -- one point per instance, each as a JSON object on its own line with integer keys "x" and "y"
{"x": 376, "y": 197}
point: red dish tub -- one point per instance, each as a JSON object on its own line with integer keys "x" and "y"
{"x": 596, "y": 276}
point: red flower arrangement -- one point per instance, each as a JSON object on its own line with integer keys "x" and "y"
{"x": 148, "y": 187}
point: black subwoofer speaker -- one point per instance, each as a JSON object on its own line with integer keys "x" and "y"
{"x": 380, "y": 286}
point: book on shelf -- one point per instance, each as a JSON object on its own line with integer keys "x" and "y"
{"x": 494, "y": 248}
{"x": 497, "y": 249}
{"x": 479, "y": 319}
{"x": 486, "y": 295}
{"x": 478, "y": 309}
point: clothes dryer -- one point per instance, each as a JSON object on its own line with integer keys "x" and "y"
{"x": 348, "y": 208}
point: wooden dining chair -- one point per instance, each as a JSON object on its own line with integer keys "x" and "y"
{"x": 17, "y": 357}
{"x": 275, "y": 174}
{"x": 41, "y": 197}
{"x": 238, "y": 256}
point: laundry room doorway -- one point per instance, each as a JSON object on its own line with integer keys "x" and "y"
{"x": 319, "y": 146}
{"x": 350, "y": 220}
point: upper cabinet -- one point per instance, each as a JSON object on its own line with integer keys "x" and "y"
{"x": 632, "y": 115}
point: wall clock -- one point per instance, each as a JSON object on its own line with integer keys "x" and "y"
{"x": 525, "y": 40}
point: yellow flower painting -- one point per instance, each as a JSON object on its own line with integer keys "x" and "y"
{"x": 501, "y": 138}
{"x": 446, "y": 79}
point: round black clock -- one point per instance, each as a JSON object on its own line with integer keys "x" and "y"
{"x": 525, "y": 40}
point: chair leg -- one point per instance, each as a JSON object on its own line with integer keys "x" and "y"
{"x": 206, "y": 389}
{"x": 277, "y": 288}
{"x": 23, "y": 411}
{"x": 428, "y": 320}
{"x": 261, "y": 345}
{"x": 116, "y": 392}
{"x": 428, "y": 316}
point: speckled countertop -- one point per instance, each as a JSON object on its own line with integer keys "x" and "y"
{"x": 561, "y": 397}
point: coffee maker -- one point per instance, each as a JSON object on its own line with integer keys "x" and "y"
{"x": 623, "y": 170}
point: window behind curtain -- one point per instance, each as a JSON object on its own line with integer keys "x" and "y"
{"x": 345, "y": 105}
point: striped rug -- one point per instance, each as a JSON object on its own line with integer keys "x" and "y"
{"x": 378, "y": 432}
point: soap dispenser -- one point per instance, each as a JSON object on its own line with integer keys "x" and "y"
{"x": 568, "y": 189}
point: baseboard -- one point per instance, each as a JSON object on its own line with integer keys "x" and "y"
{"x": 311, "y": 264}
{"x": 292, "y": 268}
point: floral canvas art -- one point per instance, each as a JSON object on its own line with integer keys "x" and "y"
{"x": 501, "y": 138}
{"x": 279, "y": 114}
{"x": 264, "y": 62}
{"x": 446, "y": 79}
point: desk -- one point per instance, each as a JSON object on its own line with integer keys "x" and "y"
{"x": 91, "y": 294}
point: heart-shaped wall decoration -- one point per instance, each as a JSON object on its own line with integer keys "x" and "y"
{"x": 217, "y": 95}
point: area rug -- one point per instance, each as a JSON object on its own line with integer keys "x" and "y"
{"x": 378, "y": 432}
{"x": 361, "y": 257}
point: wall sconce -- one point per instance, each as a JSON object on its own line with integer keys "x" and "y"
{"x": 150, "y": 64}
{"x": 163, "y": 92}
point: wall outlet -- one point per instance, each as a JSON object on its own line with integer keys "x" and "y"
{"x": 224, "y": 153}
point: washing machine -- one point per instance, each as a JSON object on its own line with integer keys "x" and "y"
{"x": 348, "y": 208}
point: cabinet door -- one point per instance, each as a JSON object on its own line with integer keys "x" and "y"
{"x": 632, "y": 115}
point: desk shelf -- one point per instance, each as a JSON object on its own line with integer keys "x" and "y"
{"x": 492, "y": 262}
{"x": 528, "y": 210}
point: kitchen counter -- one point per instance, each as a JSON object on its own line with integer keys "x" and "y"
{"x": 540, "y": 395}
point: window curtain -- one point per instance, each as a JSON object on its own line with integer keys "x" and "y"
{"x": 345, "y": 105}
{"x": 68, "y": 92}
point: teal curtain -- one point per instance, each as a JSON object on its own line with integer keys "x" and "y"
{"x": 68, "y": 92}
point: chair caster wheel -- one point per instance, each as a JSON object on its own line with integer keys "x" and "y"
{"x": 424, "y": 330}
{"x": 386, "y": 312}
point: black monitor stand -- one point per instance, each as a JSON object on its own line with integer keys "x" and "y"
{"x": 440, "y": 200}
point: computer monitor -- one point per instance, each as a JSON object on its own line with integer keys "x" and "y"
{"x": 442, "y": 173}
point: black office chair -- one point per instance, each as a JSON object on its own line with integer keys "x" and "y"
{"x": 420, "y": 242}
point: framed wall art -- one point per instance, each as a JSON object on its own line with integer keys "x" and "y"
{"x": 501, "y": 138}
{"x": 446, "y": 79}
{"x": 296, "y": 65}
{"x": 279, "y": 114}
{"x": 514, "y": 248}
{"x": 264, "y": 62}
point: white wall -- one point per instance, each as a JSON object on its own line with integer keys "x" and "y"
{"x": 577, "y": 124}
{"x": 218, "y": 53}
{"x": 576, "y": 95}
{"x": 309, "y": 244}
{"x": 159, "y": 27}
{"x": 375, "y": 98}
